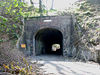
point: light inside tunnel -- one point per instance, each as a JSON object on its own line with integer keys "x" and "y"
{"x": 44, "y": 40}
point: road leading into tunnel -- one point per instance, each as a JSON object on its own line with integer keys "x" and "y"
{"x": 58, "y": 65}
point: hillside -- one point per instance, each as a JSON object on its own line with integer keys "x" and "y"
{"x": 88, "y": 29}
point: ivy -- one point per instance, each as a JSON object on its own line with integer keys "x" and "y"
{"x": 12, "y": 11}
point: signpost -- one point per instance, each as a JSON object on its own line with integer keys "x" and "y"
{"x": 23, "y": 45}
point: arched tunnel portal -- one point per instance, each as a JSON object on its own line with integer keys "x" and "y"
{"x": 44, "y": 40}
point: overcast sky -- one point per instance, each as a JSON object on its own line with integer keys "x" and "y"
{"x": 57, "y": 4}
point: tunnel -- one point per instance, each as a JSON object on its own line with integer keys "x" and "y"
{"x": 44, "y": 40}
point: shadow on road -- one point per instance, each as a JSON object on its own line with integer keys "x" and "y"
{"x": 59, "y": 65}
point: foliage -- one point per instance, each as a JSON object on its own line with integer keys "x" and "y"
{"x": 1, "y": 40}
{"x": 86, "y": 13}
{"x": 10, "y": 19}
{"x": 12, "y": 13}
{"x": 14, "y": 68}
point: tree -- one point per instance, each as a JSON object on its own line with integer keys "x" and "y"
{"x": 40, "y": 7}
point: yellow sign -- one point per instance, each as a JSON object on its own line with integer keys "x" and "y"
{"x": 23, "y": 45}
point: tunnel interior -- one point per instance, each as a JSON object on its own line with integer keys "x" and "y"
{"x": 44, "y": 40}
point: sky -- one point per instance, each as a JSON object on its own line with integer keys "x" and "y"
{"x": 57, "y": 4}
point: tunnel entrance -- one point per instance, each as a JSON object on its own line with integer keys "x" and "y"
{"x": 44, "y": 40}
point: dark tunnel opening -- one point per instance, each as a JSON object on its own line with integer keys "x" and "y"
{"x": 44, "y": 40}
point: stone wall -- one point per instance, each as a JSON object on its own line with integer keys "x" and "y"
{"x": 64, "y": 24}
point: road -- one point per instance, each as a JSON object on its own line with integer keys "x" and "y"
{"x": 58, "y": 65}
